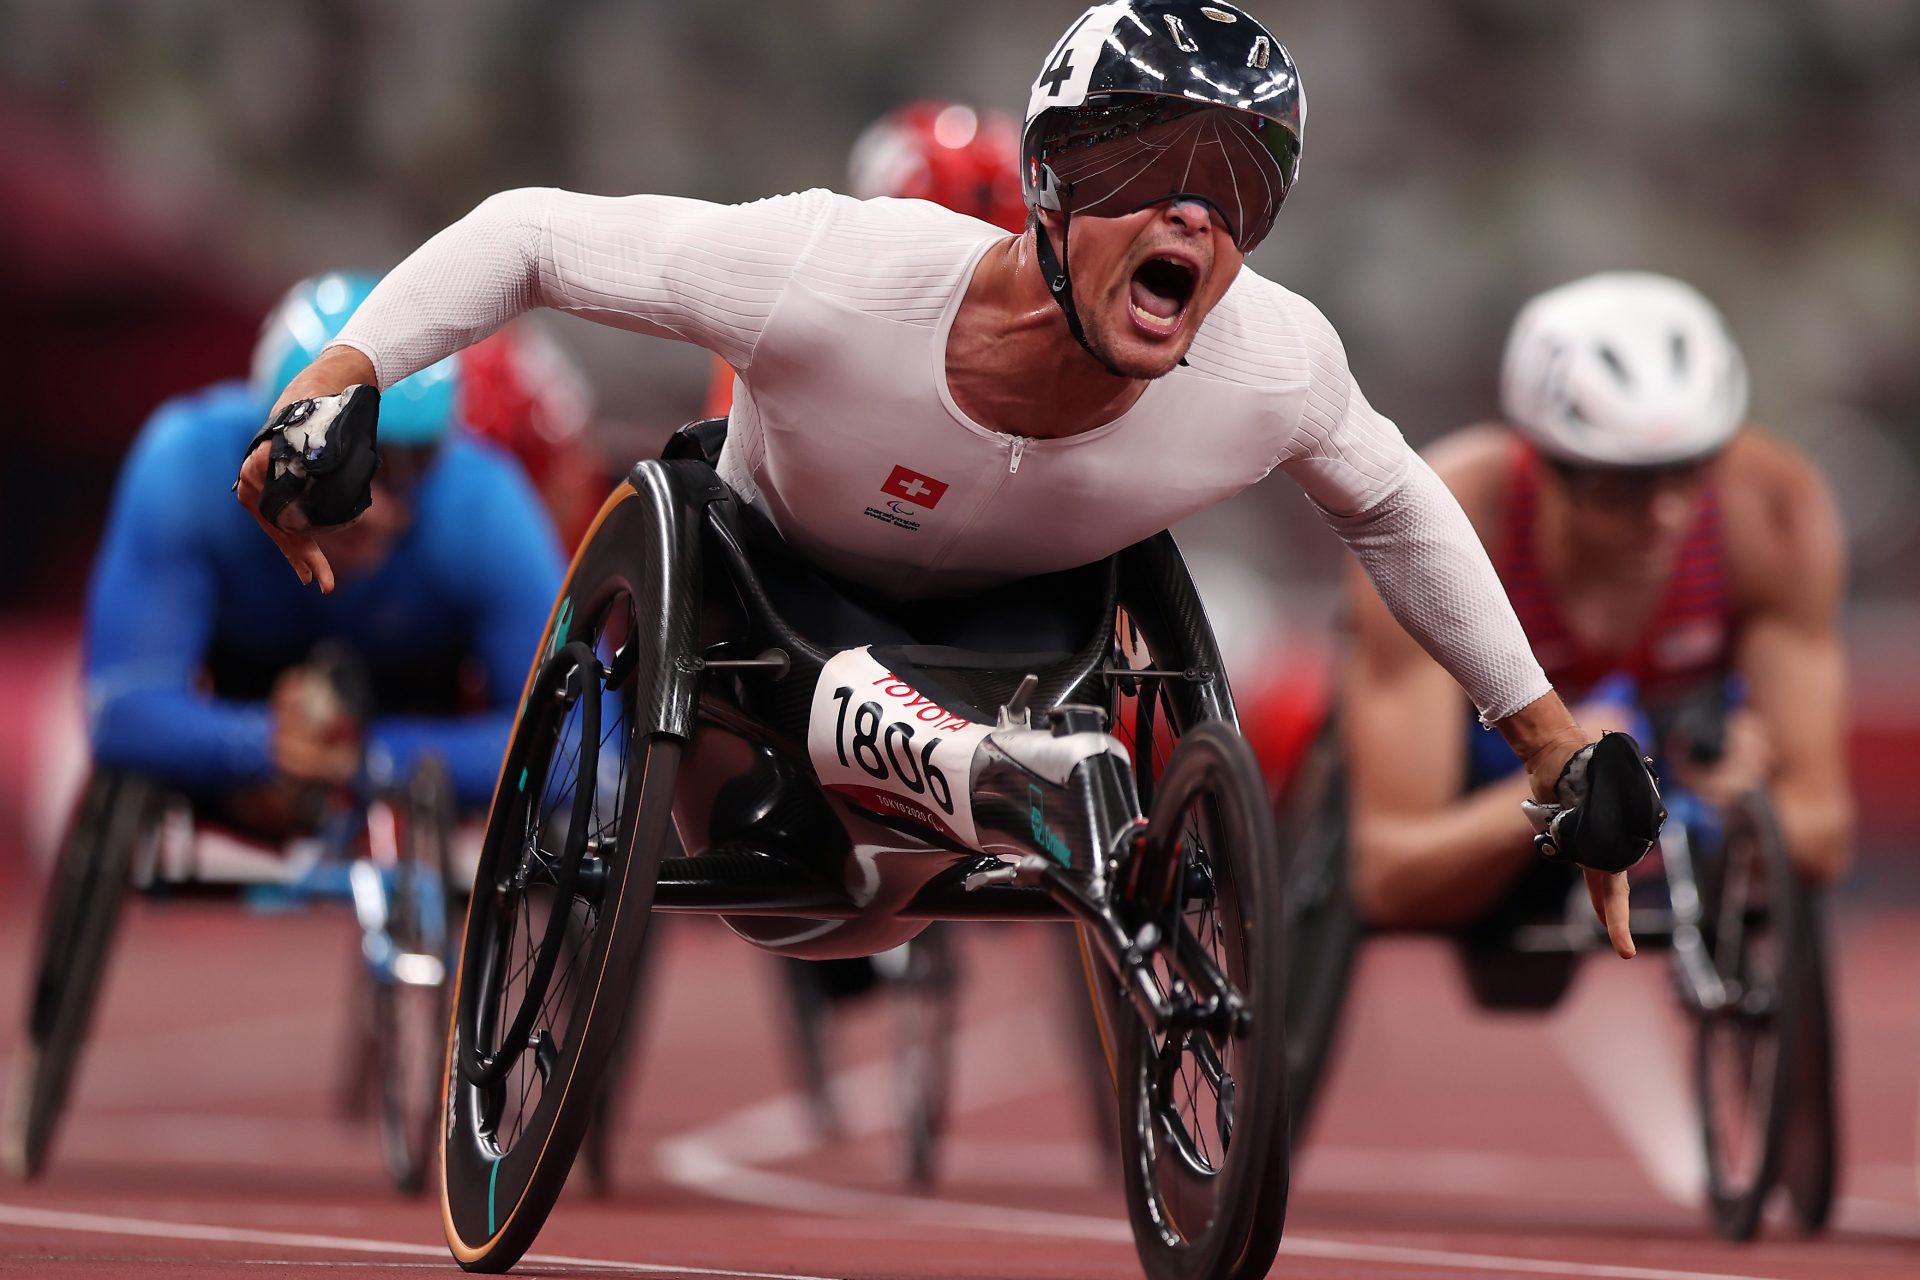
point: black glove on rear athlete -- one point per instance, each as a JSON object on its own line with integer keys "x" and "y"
{"x": 1609, "y": 811}
{"x": 324, "y": 454}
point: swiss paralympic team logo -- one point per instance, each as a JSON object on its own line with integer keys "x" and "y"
{"x": 907, "y": 491}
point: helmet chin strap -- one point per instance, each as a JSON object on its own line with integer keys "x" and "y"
{"x": 1060, "y": 285}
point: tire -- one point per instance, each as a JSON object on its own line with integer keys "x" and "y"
{"x": 1323, "y": 927}
{"x": 1810, "y": 1162}
{"x": 552, "y": 947}
{"x": 1754, "y": 915}
{"x": 1208, "y": 869}
{"x": 410, "y": 998}
{"x": 77, "y": 926}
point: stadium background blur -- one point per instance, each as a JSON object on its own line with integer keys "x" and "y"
{"x": 168, "y": 166}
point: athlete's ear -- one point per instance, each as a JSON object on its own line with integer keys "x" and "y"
{"x": 1046, "y": 222}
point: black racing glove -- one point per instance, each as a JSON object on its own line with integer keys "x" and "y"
{"x": 324, "y": 453}
{"x": 1608, "y": 811}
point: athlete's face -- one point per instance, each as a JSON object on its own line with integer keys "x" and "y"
{"x": 1144, "y": 281}
{"x": 1640, "y": 515}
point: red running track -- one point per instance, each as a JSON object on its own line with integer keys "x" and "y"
{"x": 206, "y": 1139}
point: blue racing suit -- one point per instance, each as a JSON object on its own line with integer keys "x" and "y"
{"x": 192, "y": 611}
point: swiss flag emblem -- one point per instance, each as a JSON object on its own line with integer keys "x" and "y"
{"x": 914, "y": 487}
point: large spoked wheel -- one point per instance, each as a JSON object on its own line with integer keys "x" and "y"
{"x": 1323, "y": 927}
{"x": 554, "y": 929}
{"x": 1753, "y": 928}
{"x": 77, "y": 925}
{"x": 408, "y": 962}
{"x": 1203, "y": 1117}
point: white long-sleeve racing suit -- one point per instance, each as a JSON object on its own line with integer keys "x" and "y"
{"x": 836, "y": 313}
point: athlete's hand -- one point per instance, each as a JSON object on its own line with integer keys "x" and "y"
{"x": 315, "y": 737}
{"x": 336, "y": 369}
{"x": 301, "y": 551}
{"x": 1606, "y": 890}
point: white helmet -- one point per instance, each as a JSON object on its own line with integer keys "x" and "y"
{"x": 1623, "y": 369}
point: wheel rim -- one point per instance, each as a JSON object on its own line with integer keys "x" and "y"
{"x": 1188, "y": 1077}
{"x": 542, "y": 903}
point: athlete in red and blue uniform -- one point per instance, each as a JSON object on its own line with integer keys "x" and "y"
{"x": 1652, "y": 542}
{"x": 199, "y": 645}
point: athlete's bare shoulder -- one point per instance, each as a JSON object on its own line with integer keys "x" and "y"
{"x": 1476, "y": 462}
{"x": 1780, "y": 525}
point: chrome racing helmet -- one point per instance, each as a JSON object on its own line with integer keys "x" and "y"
{"x": 1144, "y": 101}
{"x": 1623, "y": 370}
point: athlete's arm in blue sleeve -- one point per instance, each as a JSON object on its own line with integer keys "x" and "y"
{"x": 512, "y": 568}
{"x": 150, "y": 605}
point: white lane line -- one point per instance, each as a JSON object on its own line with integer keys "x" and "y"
{"x": 718, "y": 1160}
{"x": 1618, "y": 1042}
{"x": 103, "y": 1224}
{"x": 706, "y": 1170}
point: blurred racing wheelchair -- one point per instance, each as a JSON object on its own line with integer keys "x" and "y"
{"x": 834, "y": 795}
{"x": 384, "y": 846}
{"x": 1744, "y": 937}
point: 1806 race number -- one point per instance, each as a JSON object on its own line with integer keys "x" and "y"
{"x": 885, "y": 750}
{"x": 882, "y": 743}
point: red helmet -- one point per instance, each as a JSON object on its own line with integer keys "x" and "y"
{"x": 945, "y": 152}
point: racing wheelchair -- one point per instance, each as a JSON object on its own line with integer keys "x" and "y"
{"x": 1744, "y": 937}
{"x": 385, "y": 848}
{"x": 833, "y": 797}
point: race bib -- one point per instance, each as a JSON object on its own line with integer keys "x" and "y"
{"x": 889, "y": 748}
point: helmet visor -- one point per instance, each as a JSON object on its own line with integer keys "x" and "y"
{"x": 1112, "y": 160}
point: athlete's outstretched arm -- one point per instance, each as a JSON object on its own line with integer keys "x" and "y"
{"x": 1427, "y": 564}
{"x": 704, "y": 273}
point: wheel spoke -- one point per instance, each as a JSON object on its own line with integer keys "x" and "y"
{"x": 539, "y": 977}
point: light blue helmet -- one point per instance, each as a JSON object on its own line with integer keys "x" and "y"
{"x": 417, "y": 410}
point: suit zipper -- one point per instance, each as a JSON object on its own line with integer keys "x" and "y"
{"x": 1016, "y": 448}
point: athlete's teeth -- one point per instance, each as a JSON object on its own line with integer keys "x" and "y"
{"x": 1167, "y": 323}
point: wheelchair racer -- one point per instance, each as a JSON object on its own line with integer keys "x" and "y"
{"x": 967, "y": 160}
{"x": 206, "y": 667}
{"x": 1652, "y": 541}
{"x": 927, "y": 406}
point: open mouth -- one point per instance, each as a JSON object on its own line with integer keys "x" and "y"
{"x": 1159, "y": 293}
